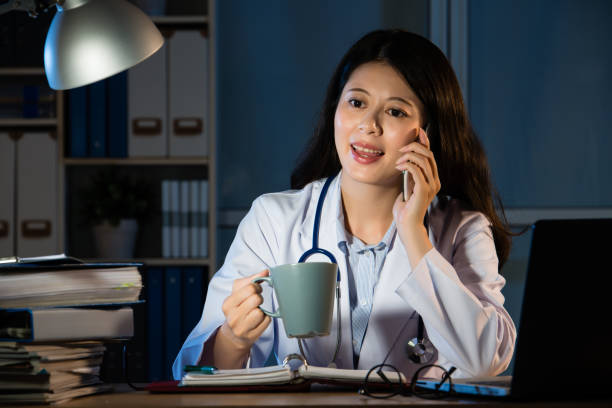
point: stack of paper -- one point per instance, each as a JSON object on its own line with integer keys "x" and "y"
{"x": 61, "y": 300}
{"x": 49, "y": 373}
{"x": 31, "y": 284}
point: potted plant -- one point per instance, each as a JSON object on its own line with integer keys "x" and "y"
{"x": 113, "y": 204}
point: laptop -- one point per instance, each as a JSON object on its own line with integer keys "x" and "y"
{"x": 563, "y": 348}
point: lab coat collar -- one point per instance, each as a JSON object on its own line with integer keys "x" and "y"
{"x": 331, "y": 205}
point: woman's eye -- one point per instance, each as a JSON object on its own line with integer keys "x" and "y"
{"x": 397, "y": 113}
{"x": 355, "y": 103}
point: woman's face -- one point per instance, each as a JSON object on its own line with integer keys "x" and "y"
{"x": 377, "y": 114}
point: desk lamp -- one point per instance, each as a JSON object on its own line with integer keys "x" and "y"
{"x": 89, "y": 40}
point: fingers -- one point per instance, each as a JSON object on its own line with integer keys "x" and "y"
{"x": 419, "y": 153}
{"x": 418, "y": 159}
{"x": 423, "y": 138}
{"x": 244, "y": 320}
{"x": 418, "y": 177}
{"x": 243, "y": 288}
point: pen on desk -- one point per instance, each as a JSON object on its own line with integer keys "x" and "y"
{"x": 200, "y": 369}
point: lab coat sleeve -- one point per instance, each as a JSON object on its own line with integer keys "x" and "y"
{"x": 251, "y": 252}
{"x": 462, "y": 304}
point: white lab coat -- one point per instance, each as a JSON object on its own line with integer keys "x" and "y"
{"x": 456, "y": 288}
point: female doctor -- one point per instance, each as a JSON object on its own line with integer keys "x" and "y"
{"x": 424, "y": 268}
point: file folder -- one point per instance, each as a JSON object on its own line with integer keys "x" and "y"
{"x": 37, "y": 179}
{"x": 188, "y": 93}
{"x": 65, "y": 323}
{"x": 7, "y": 187}
{"x": 147, "y": 107}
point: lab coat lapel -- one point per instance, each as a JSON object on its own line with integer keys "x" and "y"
{"x": 391, "y": 318}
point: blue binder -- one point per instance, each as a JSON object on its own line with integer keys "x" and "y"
{"x": 154, "y": 285}
{"x": 117, "y": 115}
{"x": 97, "y": 119}
{"x": 192, "y": 298}
{"x": 77, "y": 113}
{"x": 172, "y": 317}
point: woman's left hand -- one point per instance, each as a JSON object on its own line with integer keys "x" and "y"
{"x": 419, "y": 161}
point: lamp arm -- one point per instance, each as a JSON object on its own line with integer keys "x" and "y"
{"x": 32, "y": 7}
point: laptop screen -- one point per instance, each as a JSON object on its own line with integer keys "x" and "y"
{"x": 564, "y": 347}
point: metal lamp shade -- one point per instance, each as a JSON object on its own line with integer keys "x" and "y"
{"x": 90, "y": 40}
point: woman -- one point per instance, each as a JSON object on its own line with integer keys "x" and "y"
{"x": 429, "y": 262}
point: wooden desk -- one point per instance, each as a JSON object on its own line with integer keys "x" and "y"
{"x": 134, "y": 399}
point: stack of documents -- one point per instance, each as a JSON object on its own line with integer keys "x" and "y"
{"x": 72, "y": 304}
{"x": 49, "y": 373}
{"x": 46, "y": 281}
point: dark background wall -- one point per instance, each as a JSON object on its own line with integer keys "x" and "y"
{"x": 539, "y": 89}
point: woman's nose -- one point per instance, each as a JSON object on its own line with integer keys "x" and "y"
{"x": 370, "y": 125}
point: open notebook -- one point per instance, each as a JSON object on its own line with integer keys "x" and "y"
{"x": 563, "y": 348}
{"x": 283, "y": 374}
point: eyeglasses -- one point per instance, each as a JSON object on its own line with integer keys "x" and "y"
{"x": 380, "y": 384}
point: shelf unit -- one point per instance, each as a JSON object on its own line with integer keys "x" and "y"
{"x": 69, "y": 166}
{"x": 207, "y": 163}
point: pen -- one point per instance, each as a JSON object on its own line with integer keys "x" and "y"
{"x": 200, "y": 369}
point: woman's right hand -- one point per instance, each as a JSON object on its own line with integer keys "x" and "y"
{"x": 244, "y": 320}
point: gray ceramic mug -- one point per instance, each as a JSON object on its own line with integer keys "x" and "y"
{"x": 305, "y": 293}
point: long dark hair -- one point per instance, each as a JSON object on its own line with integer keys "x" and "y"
{"x": 462, "y": 164}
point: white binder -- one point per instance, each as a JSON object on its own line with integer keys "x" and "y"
{"x": 147, "y": 107}
{"x": 188, "y": 93}
{"x": 7, "y": 191}
{"x": 37, "y": 189}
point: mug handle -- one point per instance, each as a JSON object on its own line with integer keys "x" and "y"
{"x": 269, "y": 280}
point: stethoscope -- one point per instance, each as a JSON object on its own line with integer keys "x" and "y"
{"x": 419, "y": 349}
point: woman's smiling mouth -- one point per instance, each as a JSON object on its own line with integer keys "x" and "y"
{"x": 365, "y": 154}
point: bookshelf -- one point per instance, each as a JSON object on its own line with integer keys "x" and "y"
{"x": 143, "y": 166}
{"x": 165, "y": 277}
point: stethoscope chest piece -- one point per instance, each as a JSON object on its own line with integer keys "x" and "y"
{"x": 420, "y": 351}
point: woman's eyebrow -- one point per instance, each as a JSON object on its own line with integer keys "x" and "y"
{"x": 392, "y": 98}
{"x": 397, "y": 98}
{"x": 358, "y": 90}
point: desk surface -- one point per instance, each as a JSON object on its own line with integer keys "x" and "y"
{"x": 282, "y": 399}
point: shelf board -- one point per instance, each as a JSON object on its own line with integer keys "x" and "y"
{"x": 25, "y": 122}
{"x": 16, "y": 71}
{"x": 135, "y": 161}
{"x": 202, "y": 19}
{"x": 157, "y": 261}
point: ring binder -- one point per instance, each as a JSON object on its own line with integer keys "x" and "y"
{"x": 295, "y": 356}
